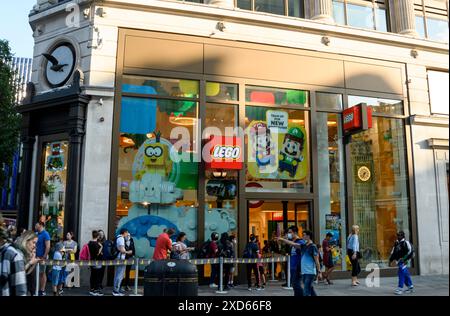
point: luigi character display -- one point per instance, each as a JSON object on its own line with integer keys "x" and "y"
{"x": 291, "y": 151}
{"x": 263, "y": 146}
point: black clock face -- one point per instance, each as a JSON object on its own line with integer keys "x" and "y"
{"x": 60, "y": 65}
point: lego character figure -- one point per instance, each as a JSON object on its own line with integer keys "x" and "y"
{"x": 155, "y": 158}
{"x": 291, "y": 151}
{"x": 263, "y": 147}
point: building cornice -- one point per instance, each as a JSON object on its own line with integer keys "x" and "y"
{"x": 259, "y": 19}
{"x": 436, "y": 121}
{"x": 438, "y": 143}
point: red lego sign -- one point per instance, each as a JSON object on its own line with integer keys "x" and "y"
{"x": 225, "y": 153}
{"x": 357, "y": 118}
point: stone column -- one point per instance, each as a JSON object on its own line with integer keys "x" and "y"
{"x": 405, "y": 20}
{"x": 227, "y": 4}
{"x": 321, "y": 10}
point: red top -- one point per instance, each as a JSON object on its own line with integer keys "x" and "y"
{"x": 213, "y": 250}
{"x": 163, "y": 244}
{"x": 326, "y": 251}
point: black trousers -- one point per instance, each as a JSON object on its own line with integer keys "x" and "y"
{"x": 252, "y": 267}
{"x": 95, "y": 280}
{"x": 356, "y": 268}
{"x": 126, "y": 281}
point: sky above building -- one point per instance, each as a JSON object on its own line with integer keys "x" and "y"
{"x": 15, "y": 28}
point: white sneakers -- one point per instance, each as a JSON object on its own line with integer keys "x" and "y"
{"x": 213, "y": 286}
{"x": 400, "y": 291}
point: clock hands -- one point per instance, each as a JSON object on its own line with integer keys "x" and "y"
{"x": 55, "y": 63}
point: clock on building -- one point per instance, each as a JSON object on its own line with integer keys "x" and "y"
{"x": 60, "y": 64}
{"x": 364, "y": 173}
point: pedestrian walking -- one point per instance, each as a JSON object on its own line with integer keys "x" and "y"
{"x": 327, "y": 258}
{"x": 401, "y": 254}
{"x": 354, "y": 254}
{"x": 251, "y": 252}
{"x": 310, "y": 265}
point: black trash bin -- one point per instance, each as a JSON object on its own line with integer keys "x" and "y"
{"x": 171, "y": 278}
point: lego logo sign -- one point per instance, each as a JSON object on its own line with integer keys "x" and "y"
{"x": 225, "y": 153}
{"x": 349, "y": 118}
{"x": 357, "y": 118}
{"x": 228, "y": 152}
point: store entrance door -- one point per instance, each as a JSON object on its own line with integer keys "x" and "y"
{"x": 273, "y": 217}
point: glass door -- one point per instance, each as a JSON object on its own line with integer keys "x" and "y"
{"x": 53, "y": 188}
{"x": 271, "y": 218}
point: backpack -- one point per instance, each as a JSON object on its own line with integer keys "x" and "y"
{"x": 85, "y": 254}
{"x": 204, "y": 250}
{"x": 225, "y": 251}
{"x": 110, "y": 251}
{"x": 248, "y": 251}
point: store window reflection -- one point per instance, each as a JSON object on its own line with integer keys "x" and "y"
{"x": 221, "y": 186}
{"x": 53, "y": 188}
{"x": 380, "y": 187}
{"x": 157, "y": 173}
{"x": 379, "y": 106}
{"x": 331, "y": 182}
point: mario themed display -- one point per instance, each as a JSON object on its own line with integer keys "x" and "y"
{"x": 291, "y": 153}
{"x": 277, "y": 154}
{"x": 263, "y": 152}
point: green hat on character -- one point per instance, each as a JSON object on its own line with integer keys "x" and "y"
{"x": 295, "y": 133}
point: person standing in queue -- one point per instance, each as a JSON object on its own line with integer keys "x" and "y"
{"x": 213, "y": 252}
{"x": 251, "y": 252}
{"x": 163, "y": 245}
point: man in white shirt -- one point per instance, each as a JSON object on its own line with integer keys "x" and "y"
{"x": 120, "y": 270}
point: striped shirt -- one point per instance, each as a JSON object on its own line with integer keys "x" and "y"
{"x": 13, "y": 277}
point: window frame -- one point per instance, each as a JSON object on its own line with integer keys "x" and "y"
{"x": 428, "y": 12}
{"x": 286, "y": 8}
{"x": 374, "y": 5}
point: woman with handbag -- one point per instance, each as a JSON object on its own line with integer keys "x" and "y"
{"x": 354, "y": 254}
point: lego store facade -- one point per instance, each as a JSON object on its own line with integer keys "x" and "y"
{"x": 125, "y": 148}
{"x": 300, "y": 167}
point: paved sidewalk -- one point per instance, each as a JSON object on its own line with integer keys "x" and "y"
{"x": 424, "y": 286}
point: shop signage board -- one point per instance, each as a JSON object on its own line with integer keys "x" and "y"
{"x": 357, "y": 118}
{"x": 226, "y": 153}
{"x": 277, "y": 120}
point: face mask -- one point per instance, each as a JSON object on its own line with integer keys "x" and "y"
{"x": 289, "y": 236}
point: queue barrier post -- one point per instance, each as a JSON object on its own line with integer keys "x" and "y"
{"x": 221, "y": 291}
{"x": 36, "y": 290}
{"x": 288, "y": 273}
{"x": 273, "y": 268}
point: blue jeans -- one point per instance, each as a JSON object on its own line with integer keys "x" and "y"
{"x": 295, "y": 282}
{"x": 308, "y": 280}
{"x": 403, "y": 275}
{"x": 118, "y": 277}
